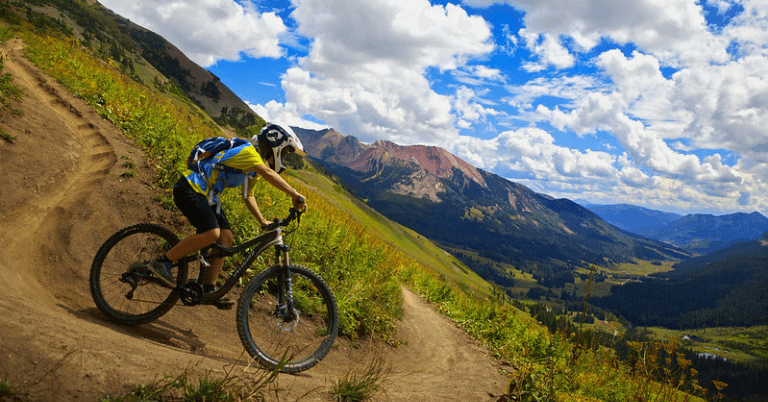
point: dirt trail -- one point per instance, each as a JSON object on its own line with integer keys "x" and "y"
{"x": 62, "y": 194}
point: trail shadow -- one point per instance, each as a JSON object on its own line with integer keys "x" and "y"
{"x": 158, "y": 331}
{"x": 170, "y": 335}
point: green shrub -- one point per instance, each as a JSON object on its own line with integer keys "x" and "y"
{"x": 355, "y": 388}
{"x": 249, "y": 386}
{"x": 5, "y": 387}
{"x": 10, "y": 93}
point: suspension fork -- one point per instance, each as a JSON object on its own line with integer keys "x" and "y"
{"x": 282, "y": 253}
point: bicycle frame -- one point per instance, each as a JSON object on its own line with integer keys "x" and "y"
{"x": 272, "y": 238}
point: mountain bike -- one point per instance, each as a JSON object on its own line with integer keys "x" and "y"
{"x": 287, "y": 316}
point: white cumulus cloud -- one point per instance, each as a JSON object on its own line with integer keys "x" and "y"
{"x": 208, "y": 30}
{"x": 674, "y": 30}
{"x": 366, "y": 70}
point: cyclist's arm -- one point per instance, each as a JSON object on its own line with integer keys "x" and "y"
{"x": 253, "y": 206}
{"x": 276, "y": 180}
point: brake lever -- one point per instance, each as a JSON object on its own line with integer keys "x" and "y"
{"x": 294, "y": 214}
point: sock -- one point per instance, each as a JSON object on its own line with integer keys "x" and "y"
{"x": 163, "y": 259}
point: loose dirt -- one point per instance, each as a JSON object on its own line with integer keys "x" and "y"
{"x": 63, "y": 192}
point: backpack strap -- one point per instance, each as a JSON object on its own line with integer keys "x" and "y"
{"x": 228, "y": 169}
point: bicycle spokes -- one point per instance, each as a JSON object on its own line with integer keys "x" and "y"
{"x": 121, "y": 285}
{"x": 274, "y": 325}
{"x": 287, "y": 316}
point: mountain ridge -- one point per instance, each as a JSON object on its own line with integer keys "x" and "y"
{"x": 701, "y": 233}
{"x": 350, "y": 152}
{"x": 707, "y": 233}
{"x": 443, "y": 197}
{"x": 147, "y": 57}
{"x": 633, "y": 218}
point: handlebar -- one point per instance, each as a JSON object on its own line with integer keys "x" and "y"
{"x": 295, "y": 214}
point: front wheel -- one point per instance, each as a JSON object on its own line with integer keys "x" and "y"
{"x": 121, "y": 285}
{"x": 289, "y": 339}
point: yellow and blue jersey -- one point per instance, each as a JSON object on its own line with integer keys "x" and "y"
{"x": 225, "y": 170}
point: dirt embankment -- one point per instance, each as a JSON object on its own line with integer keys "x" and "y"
{"x": 63, "y": 194}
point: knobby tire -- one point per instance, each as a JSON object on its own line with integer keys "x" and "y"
{"x": 128, "y": 250}
{"x": 288, "y": 346}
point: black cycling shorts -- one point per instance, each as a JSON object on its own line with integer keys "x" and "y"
{"x": 195, "y": 207}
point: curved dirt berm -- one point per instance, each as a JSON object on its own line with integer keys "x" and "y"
{"x": 63, "y": 193}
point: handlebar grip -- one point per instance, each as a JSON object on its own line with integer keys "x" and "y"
{"x": 271, "y": 226}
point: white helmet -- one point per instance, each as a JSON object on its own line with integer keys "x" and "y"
{"x": 281, "y": 139}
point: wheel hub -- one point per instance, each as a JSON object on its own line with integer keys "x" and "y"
{"x": 285, "y": 321}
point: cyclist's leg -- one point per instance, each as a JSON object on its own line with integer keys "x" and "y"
{"x": 225, "y": 239}
{"x": 192, "y": 243}
{"x": 202, "y": 216}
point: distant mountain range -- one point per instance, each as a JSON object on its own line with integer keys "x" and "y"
{"x": 632, "y": 218}
{"x": 457, "y": 205}
{"x": 699, "y": 233}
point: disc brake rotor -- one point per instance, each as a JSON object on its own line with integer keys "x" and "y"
{"x": 287, "y": 322}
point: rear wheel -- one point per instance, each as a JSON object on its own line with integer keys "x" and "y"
{"x": 291, "y": 341}
{"x": 121, "y": 285}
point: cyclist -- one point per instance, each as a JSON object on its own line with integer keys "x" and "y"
{"x": 197, "y": 195}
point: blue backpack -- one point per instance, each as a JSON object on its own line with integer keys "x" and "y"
{"x": 208, "y": 148}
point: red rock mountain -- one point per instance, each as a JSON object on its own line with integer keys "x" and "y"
{"x": 458, "y": 205}
{"x": 430, "y": 163}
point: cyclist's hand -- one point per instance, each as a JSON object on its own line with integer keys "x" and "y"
{"x": 300, "y": 203}
{"x": 265, "y": 224}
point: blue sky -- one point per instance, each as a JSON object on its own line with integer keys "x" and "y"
{"x": 662, "y": 104}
